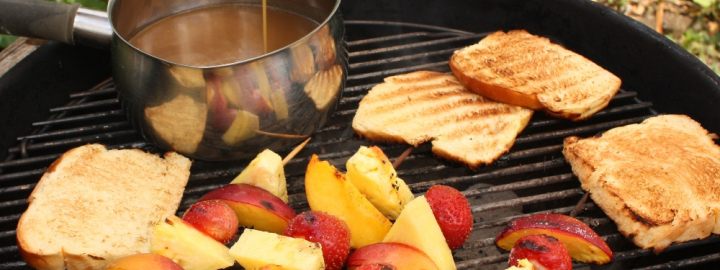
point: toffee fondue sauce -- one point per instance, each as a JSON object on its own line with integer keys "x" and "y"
{"x": 220, "y": 34}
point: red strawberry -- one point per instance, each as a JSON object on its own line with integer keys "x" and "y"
{"x": 452, "y": 212}
{"x": 543, "y": 251}
{"x": 330, "y": 232}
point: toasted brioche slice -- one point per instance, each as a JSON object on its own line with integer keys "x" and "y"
{"x": 526, "y": 70}
{"x": 422, "y": 106}
{"x": 658, "y": 180}
{"x": 94, "y": 205}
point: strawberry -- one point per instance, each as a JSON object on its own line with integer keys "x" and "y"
{"x": 330, "y": 232}
{"x": 543, "y": 251}
{"x": 452, "y": 212}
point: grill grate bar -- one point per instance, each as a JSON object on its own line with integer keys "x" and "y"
{"x": 78, "y": 130}
{"x": 505, "y": 220}
{"x": 84, "y": 117}
{"x": 610, "y": 111}
{"x": 6, "y": 190}
{"x": 396, "y": 37}
{"x": 521, "y": 169}
{"x": 9, "y": 219}
{"x": 20, "y": 175}
{"x": 391, "y": 60}
{"x": 578, "y": 130}
{"x": 107, "y": 90}
{"x": 414, "y": 45}
{"x": 684, "y": 263}
{"x": 13, "y": 203}
{"x": 532, "y": 152}
{"x": 13, "y": 265}
{"x": 29, "y": 160}
{"x": 556, "y": 195}
{"x": 389, "y": 72}
{"x": 77, "y": 140}
{"x": 537, "y": 182}
{"x": 472, "y": 264}
{"x": 9, "y": 249}
{"x": 87, "y": 105}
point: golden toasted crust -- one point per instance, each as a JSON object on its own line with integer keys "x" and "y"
{"x": 658, "y": 180}
{"x": 422, "y": 106}
{"x": 95, "y": 205}
{"x": 526, "y": 70}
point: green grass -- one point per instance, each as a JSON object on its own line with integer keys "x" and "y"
{"x": 5, "y": 40}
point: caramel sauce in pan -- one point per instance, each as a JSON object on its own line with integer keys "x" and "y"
{"x": 221, "y": 34}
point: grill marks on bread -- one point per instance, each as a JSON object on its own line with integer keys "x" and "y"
{"x": 429, "y": 106}
{"x": 526, "y": 70}
{"x": 658, "y": 180}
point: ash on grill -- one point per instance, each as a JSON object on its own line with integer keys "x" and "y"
{"x": 533, "y": 177}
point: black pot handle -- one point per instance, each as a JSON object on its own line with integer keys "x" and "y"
{"x": 38, "y": 18}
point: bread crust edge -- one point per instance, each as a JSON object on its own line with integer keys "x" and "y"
{"x": 494, "y": 92}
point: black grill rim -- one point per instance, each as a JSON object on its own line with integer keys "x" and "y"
{"x": 520, "y": 170}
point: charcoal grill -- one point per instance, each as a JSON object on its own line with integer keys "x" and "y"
{"x": 533, "y": 177}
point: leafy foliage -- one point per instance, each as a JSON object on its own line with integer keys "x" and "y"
{"x": 5, "y": 40}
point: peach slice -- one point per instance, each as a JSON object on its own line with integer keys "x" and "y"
{"x": 142, "y": 262}
{"x": 583, "y": 244}
{"x": 255, "y": 207}
{"x": 393, "y": 255}
{"x": 329, "y": 191}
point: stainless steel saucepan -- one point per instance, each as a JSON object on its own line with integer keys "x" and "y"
{"x": 217, "y": 112}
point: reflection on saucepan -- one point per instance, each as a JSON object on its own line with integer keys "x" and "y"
{"x": 324, "y": 86}
{"x": 323, "y": 45}
{"x": 187, "y": 77}
{"x": 179, "y": 122}
{"x": 303, "y": 64}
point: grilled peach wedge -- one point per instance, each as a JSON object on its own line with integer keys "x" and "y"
{"x": 583, "y": 244}
{"x": 143, "y": 261}
{"x": 391, "y": 255}
{"x": 255, "y": 207}
{"x": 329, "y": 191}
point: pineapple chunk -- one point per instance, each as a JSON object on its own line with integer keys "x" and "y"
{"x": 188, "y": 247}
{"x": 523, "y": 264}
{"x": 266, "y": 172}
{"x": 261, "y": 250}
{"x": 416, "y": 226}
{"x": 373, "y": 174}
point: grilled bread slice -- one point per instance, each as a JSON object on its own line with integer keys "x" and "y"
{"x": 658, "y": 180}
{"x": 526, "y": 70}
{"x": 95, "y": 205}
{"x": 426, "y": 106}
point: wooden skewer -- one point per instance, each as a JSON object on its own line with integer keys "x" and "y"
{"x": 399, "y": 160}
{"x": 579, "y": 206}
{"x": 659, "y": 14}
{"x": 281, "y": 135}
{"x": 295, "y": 151}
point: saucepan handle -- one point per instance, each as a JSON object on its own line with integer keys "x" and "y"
{"x": 38, "y": 18}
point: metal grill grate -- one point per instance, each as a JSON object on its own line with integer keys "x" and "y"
{"x": 532, "y": 177}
